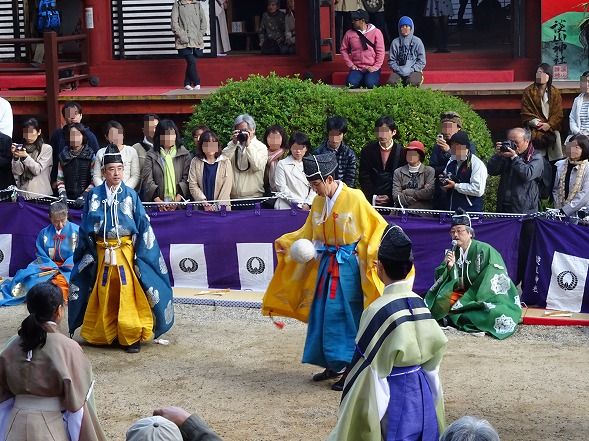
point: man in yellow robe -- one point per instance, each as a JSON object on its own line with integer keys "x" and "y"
{"x": 331, "y": 291}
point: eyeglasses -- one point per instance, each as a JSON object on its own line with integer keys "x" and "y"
{"x": 457, "y": 230}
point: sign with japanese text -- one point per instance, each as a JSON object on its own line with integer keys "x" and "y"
{"x": 565, "y": 37}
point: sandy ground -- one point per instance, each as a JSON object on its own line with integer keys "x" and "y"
{"x": 244, "y": 376}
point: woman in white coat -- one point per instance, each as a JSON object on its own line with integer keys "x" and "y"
{"x": 291, "y": 182}
{"x": 579, "y": 117}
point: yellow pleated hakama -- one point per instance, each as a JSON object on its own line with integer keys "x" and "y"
{"x": 117, "y": 307}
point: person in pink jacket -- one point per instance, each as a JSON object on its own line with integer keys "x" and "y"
{"x": 363, "y": 51}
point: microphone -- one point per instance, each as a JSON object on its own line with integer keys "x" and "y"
{"x": 454, "y": 243}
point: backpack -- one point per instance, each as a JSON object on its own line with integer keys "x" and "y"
{"x": 48, "y": 18}
{"x": 546, "y": 181}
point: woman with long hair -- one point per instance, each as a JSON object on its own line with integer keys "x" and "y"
{"x": 571, "y": 185}
{"x": 211, "y": 175}
{"x": 541, "y": 112}
{"x": 276, "y": 141}
{"x": 32, "y": 162}
{"x": 45, "y": 379}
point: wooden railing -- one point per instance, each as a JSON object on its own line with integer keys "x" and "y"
{"x": 52, "y": 67}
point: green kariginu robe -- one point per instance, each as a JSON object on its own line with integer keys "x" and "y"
{"x": 490, "y": 302}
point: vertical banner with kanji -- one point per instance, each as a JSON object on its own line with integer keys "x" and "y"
{"x": 565, "y": 37}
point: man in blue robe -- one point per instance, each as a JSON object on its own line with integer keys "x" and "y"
{"x": 55, "y": 250}
{"x": 120, "y": 289}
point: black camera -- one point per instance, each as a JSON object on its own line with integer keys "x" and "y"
{"x": 444, "y": 178}
{"x": 242, "y": 136}
{"x": 506, "y": 145}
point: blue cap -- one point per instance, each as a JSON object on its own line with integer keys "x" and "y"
{"x": 406, "y": 21}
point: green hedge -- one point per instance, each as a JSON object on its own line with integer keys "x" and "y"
{"x": 303, "y": 105}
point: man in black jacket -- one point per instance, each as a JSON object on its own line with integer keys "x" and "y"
{"x": 336, "y": 128}
{"x": 521, "y": 168}
{"x": 378, "y": 161}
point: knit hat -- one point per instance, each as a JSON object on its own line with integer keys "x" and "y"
{"x": 319, "y": 166}
{"x": 395, "y": 245}
{"x": 461, "y": 138}
{"x": 154, "y": 428}
{"x": 360, "y": 14}
{"x": 406, "y": 21}
{"x": 111, "y": 155}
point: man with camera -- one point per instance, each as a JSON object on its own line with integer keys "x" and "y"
{"x": 464, "y": 178}
{"x": 248, "y": 157}
{"x": 520, "y": 168}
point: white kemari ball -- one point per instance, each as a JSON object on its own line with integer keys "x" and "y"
{"x": 302, "y": 251}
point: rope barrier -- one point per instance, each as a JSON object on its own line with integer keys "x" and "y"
{"x": 551, "y": 214}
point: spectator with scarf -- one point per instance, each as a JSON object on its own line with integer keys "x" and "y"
{"x": 165, "y": 173}
{"x": 74, "y": 169}
{"x": 72, "y": 113}
{"x": 542, "y": 113}
{"x": 363, "y": 51}
{"x": 32, "y": 162}
{"x": 276, "y": 141}
{"x": 571, "y": 186}
{"x": 407, "y": 56}
{"x": 464, "y": 178}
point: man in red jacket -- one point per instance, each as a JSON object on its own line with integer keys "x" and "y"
{"x": 363, "y": 51}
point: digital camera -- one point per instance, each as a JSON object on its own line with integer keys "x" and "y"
{"x": 506, "y": 145}
{"x": 444, "y": 178}
{"x": 242, "y": 136}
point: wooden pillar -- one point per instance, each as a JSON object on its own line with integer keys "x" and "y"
{"x": 100, "y": 39}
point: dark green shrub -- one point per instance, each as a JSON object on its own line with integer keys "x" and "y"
{"x": 303, "y": 105}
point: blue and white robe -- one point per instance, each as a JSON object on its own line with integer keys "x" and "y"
{"x": 54, "y": 253}
{"x": 149, "y": 264}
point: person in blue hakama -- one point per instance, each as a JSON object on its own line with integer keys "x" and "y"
{"x": 120, "y": 289}
{"x": 393, "y": 391}
{"x": 54, "y": 250}
{"x": 329, "y": 292}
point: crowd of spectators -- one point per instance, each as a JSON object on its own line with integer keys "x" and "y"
{"x": 249, "y": 170}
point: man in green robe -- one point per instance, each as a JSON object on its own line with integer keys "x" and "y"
{"x": 393, "y": 390}
{"x": 472, "y": 287}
